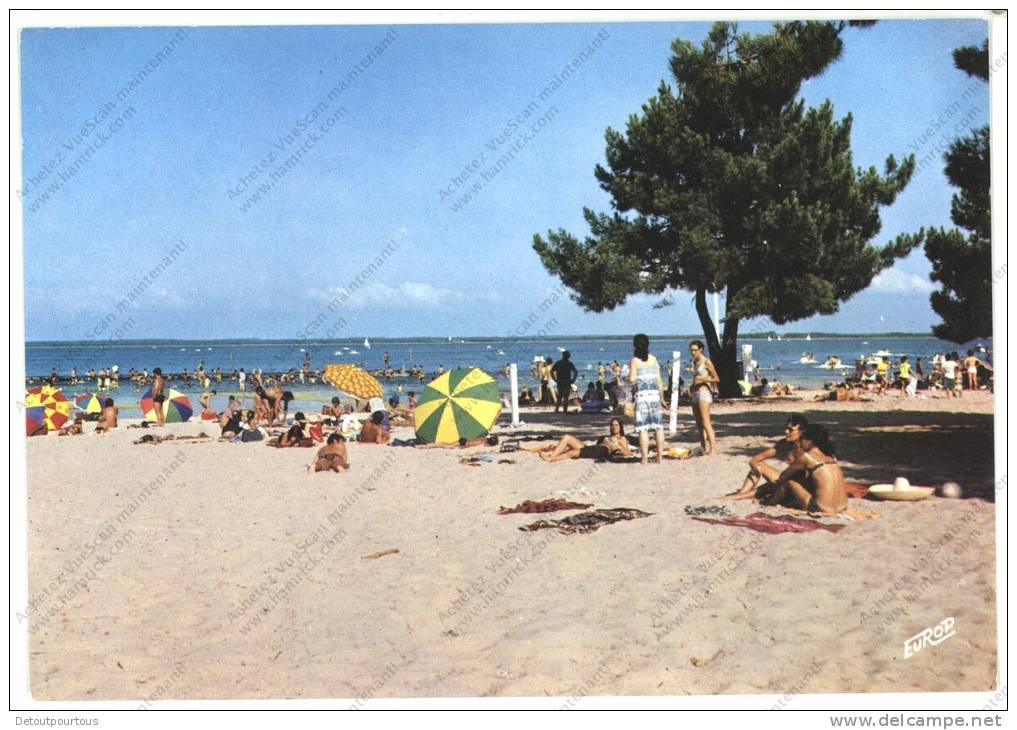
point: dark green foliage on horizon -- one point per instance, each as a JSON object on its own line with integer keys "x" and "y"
{"x": 961, "y": 262}
{"x": 727, "y": 181}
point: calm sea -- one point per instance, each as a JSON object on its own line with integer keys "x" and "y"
{"x": 777, "y": 359}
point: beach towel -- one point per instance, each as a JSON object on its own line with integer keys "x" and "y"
{"x": 770, "y": 524}
{"x": 403, "y": 442}
{"x": 586, "y": 521}
{"x": 545, "y": 505}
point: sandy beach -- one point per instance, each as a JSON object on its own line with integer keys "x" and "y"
{"x": 214, "y": 570}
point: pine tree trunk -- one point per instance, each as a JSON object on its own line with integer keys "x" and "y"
{"x": 723, "y": 353}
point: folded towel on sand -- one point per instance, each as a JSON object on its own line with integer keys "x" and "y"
{"x": 771, "y": 524}
{"x": 546, "y": 505}
{"x": 586, "y": 521}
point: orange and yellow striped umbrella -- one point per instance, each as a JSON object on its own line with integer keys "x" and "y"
{"x": 353, "y": 381}
{"x": 54, "y": 404}
{"x": 458, "y": 404}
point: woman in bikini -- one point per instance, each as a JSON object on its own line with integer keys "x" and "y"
{"x": 332, "y": 456}
{"x": 814, "y": 480}
{"x": 786, "y": 450}
{"x": 701, "y": 392}
{"x": 262, "y": 410}
{"x": 614, "y": 444}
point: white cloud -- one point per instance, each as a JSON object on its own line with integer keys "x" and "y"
{"x": 401, "y": 296}
{"x": 901, "y": 282}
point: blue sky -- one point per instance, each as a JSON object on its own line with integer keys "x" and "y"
{"x": 432, "y": 100}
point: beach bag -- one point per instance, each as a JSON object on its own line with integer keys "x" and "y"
{"x": 251, "y": 435}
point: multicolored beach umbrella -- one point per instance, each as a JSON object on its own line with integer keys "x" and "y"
{"x": 458, "y": 404}
{"x": 176, "y": 408}
{"x": 89, "y": 402}
{"x": 35, "y": 419}
{"x": 54, "y": 404}
{"x": 353, "y": 381}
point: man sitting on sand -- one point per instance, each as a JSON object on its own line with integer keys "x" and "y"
{"x": 109, "y": 417}
{"x": 786, "y": 450}
{"x": 814, "y": 480}
{"x": 373, "y": 431}
{"x": 335, "y": 410}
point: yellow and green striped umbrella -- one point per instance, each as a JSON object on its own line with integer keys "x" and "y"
{"x": 458, "y": 404}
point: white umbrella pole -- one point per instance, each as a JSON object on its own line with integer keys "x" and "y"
{"x": 514, "y": 391}
{"x": 676, "y": 373}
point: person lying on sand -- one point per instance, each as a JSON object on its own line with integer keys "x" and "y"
{"x": 786, "y": 450}
{"x": 841, "y": 393}
{"x": 332, "y": 456}
{"x": 463, "y": 443}
{"x": 372, "y": 431}
{"x": 109, "y": 417}
{"x": 614, "y": 444}
{"x": 74, "y": 428}
{"x": 814, "y": 480}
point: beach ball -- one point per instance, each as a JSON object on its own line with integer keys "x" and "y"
{"x": 951, "y": 490}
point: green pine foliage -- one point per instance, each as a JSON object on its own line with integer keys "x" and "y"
{"x": 726, "y": 181}
{"x": 962, "y": 263}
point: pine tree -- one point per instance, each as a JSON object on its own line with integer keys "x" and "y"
{"x": 729, "y": 182}
{"x": 963, "y": 263}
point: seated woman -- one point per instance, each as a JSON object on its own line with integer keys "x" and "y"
{"x": 814, "y": 480}
{"x": 262, "y": 410}
{"x": 295, "y": 436}
{"x": 614, "y": 444}
{"x": 232, "y": 424}
{"x": 252, "y": 432}
{"x": 786, "y": 450}
{"x": 332, "y": 456}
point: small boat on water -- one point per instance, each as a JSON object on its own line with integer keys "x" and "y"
{"x": 499, "y": 352}
{"x": 367, "y": 343}
{"x": 808, "y": 337}
{"x": 832, "y": 363}
{"x": 354, "y": 352}
{"x": 807, "y": 359}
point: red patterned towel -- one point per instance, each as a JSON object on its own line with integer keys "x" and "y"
{"x": 771, "y": 525}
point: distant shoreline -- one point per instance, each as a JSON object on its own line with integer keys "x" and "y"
{"x": 238, "y": 342}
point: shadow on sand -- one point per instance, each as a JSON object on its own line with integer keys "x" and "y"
{"x": 927, "y": 448}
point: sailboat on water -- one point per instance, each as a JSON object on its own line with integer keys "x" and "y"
{"x": 367, "y": 343}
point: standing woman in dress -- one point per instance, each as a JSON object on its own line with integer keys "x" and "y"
{"x": 702, "y": 395}
{"x": 644, "y": 372}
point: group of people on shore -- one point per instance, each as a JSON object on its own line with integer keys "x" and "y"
{"x": 646, "y": 406}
